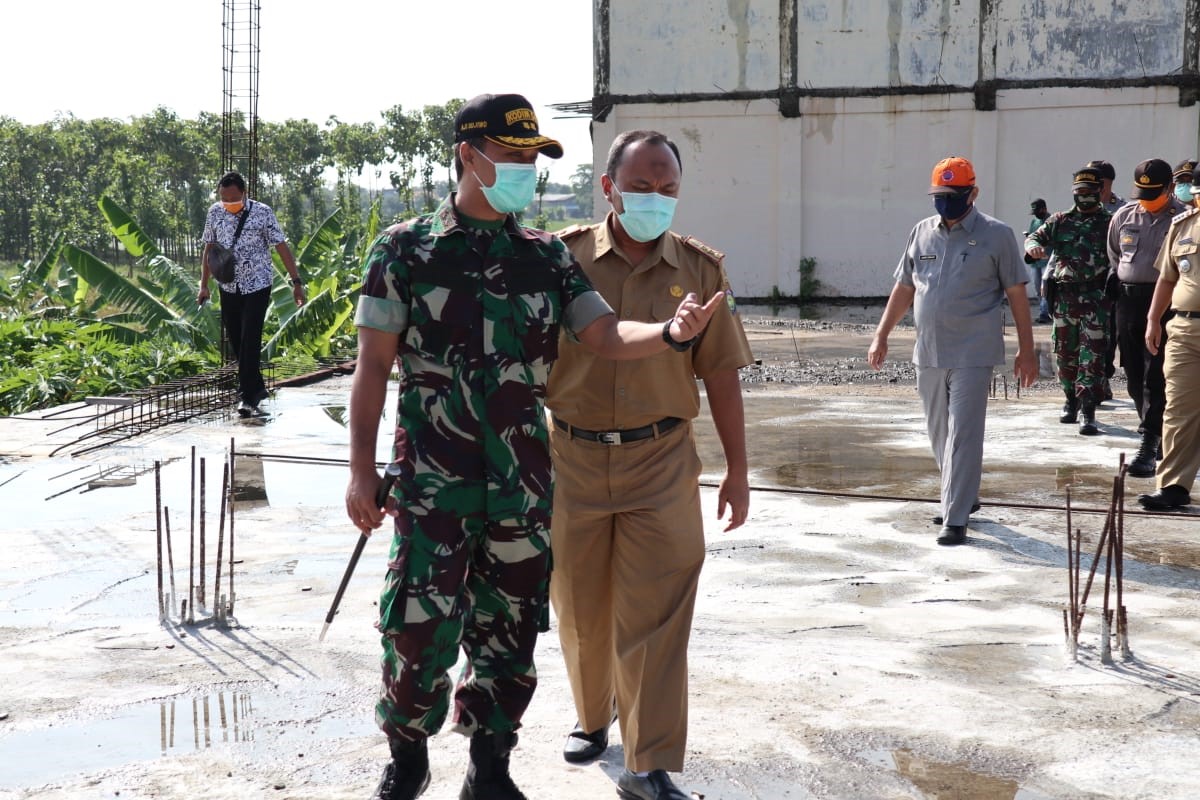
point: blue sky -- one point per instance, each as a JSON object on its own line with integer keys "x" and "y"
{"x": 350, "y": 58}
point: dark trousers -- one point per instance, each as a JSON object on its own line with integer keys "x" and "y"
{"x": 242, "y": 316}
{"x": 1143, "y": 372}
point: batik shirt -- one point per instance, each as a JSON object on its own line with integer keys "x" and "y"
{"x": 261, "y": 232}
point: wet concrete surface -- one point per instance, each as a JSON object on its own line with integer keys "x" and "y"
{"x": 836, "y": 653}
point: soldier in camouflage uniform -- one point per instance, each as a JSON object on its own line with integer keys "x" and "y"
{"x": 469, "y": 304}
{"x": 1074, "y": 281}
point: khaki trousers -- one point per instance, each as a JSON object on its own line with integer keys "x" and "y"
{"x": 1181, "y": 417}
{"x": 628, "y": 543}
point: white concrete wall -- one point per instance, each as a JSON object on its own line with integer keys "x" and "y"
{"x": 845, "y": 182}
{"x": 696, "y": 46}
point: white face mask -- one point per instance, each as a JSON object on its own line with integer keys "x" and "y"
{"x": 514, "y": 187}
{"x": 647, "y": 215}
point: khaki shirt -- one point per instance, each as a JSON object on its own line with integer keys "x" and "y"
{"x": 597, "y": 393}
{"x": 1179, "y": 260}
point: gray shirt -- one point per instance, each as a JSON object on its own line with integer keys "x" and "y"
{"x": 1134, "y": 238}
{"x": 960, "y": 275}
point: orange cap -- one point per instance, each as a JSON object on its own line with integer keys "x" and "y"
{"x": 951, "y": 175}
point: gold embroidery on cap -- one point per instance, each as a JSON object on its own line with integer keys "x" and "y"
{"x": 520, "y": 115}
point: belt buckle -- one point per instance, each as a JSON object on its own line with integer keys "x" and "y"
{"x": 609, "y": 437}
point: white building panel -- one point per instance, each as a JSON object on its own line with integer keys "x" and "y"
{"x": 694, "y": 46}
{"x": 845, "y": 182}
{"x": 1095, "y": 39}
{"x": 844, "y": 43}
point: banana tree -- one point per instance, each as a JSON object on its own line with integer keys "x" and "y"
{"x": 159, "y": 301}
{"x": 329, "y": 259}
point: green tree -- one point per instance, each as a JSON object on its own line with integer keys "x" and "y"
{"x": 581, "y": 185}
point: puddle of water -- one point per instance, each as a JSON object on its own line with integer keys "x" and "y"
{"x": 173, "y": 727}
{"x": 942, "y": 781}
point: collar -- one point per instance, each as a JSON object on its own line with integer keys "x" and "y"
{"x": 446, "y": 221}
{"x": 665, "y": 249}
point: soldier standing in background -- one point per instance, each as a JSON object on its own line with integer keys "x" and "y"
{"x": 1036, "y": 265}
{"x": 1135, "y": 236}
{"x": 1074, "y": 282}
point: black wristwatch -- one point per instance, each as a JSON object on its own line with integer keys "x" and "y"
{"x": 678, "y": 347}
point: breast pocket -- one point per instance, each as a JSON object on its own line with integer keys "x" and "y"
{"x": 1129, "y": 243}
{"x": 1185, "y": 256}
{"x": 446, "y": 315}
{"x": 535, "y": 305}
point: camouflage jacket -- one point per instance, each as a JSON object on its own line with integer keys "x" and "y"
{"x": 1077, "y": 244}
{"x": 478, "y": 313}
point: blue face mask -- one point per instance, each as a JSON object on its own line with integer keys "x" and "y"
{"x": 952, "y": 206}
{"x": 647, "y": 215}
{"x": 1183, "y": 191}
{"x": 514, "y": 187}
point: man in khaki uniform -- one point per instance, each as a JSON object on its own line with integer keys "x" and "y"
{"x": 1178, "y": 288}
{"x": 627, "y": 532}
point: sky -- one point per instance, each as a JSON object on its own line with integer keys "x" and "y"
{"x": 349, "y": 58}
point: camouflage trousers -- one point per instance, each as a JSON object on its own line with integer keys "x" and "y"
{"x": 459, "y": 576}
{"x": 1081, "y": 325}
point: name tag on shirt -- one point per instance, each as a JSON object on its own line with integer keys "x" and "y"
{"x": 928, "y": 258}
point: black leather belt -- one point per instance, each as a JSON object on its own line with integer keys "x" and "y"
{"x": 620, "y": 437}
{"x": 1139, "y": 290}
{"x": 1187, "y": 314}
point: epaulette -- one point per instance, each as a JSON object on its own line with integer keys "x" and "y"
{"x": 711, "y": 253}
{"x": 570, "y": 231}
{"x": 1180, "y": 217}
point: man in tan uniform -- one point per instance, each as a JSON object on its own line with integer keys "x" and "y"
{"x": 1178, "y": 287}
{"x": 627, "y": 532}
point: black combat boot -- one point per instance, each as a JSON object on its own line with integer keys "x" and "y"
{"x": 1087, "y": 426}
{"x": 487, "y": 776}
{"x": 407, "y": 777}
{"x": 1143, "y": 465}
{"x": 1070, "y": 411}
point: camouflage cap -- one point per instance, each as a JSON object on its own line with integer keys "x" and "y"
{"x": 506, "y": 119}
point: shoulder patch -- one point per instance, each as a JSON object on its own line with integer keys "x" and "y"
{"x": 1184, "y": 215}
{"x": 570, "y": 231}
{"x": 711, "y": 253}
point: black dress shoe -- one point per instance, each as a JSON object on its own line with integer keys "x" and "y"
{"x": 655, "y": 786}
{"x": 1168, "y": 498}
{"x": 953, "y": 534}
{"x": 938, "y": 519}
{"x": 582, "y": 746}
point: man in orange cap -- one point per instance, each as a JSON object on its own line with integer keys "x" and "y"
{"x": 958, "y": 266}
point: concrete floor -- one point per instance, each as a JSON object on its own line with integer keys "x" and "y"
{"x": 837, "y": 651}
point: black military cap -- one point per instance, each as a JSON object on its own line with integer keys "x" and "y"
{"x": 1087, "y": 180}
{"x": 1150, "y": 178}
{"x": 1105, "y": 169}
{"x": 1183, "y": 171}
{"x": 505, "y": 119}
